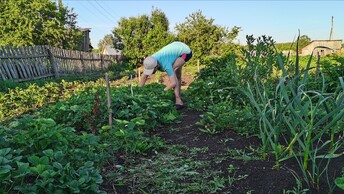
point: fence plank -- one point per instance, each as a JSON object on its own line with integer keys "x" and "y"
{"x": 24, "y": 63}
{"x": 29, "y": 62}
{"x": 9, "y": 73}
{"x": 31, "y": 51}
{"x": 2, "y": 74}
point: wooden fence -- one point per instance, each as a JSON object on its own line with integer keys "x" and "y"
{"x": 36, "y": 62}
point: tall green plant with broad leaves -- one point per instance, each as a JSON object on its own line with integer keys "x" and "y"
{"x": 301, "y": 117}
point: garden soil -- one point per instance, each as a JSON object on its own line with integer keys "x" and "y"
{"x": 262, "y": 176}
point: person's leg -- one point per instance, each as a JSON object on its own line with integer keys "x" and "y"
{"x": 177, "y": 67}
{"x": 177, "y": 89}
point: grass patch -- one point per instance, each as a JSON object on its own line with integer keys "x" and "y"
{"x": 170, "y": 170}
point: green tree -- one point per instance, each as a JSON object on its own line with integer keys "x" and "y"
{"x": 72, "y": 35}
{"x": 37, "y": 22}
{"x": 304, "y": 40}
{"x": 204, "y": 37}
{"x": 142, "y": 36}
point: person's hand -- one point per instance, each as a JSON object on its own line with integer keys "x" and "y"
{"x": 143, "y": 80}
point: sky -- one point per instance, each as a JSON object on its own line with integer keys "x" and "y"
{"x": 282, "y": 20}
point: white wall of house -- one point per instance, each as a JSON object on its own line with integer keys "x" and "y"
{"x": 333, "y": 46}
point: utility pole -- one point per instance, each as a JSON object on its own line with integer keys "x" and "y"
{"x": 331, "y": 33}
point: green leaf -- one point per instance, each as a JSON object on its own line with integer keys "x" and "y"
{"x": 74, "y": 186}
{"x": 138, "y": 121}
{"x": 120, "y": 133}
{"x": 23, "y": 169}
{"x": 46, "y": 122}
{"x": 33, "y": 160}
{"x": 39, "y": 169}
{"x": 59, "y": 155}
{"x": 14, "y": 124}
{"x": 89, "y": 164}
{"x": 45, "y": 174}
{"x": 49, "y": 152}
{"x": 57, "y": 165}
{"x": 44, "y": 160}
{"x": 4, "y": 151}
{"x": 329, "y": 156}
{"x": 169, "y": 117}
{"x": 4, "y": 160}
{"x": 63, "y": 108}
{"x": 81, "y": 180}
{"x": 106, "y": 127}
{"x": 340, "y": 182}
{"x": 5, "y": 169}
{"x": 75, "y": 108}
{"x": 131, "y": 125}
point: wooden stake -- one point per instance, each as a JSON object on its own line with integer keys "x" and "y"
{"x": 131, "y": 85}
{"x": 108, "y": 99}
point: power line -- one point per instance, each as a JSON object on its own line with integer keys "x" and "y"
{"x": 91, "y": 11}
{"x": 110, "y": 14}
{"x": 106, "y": 16}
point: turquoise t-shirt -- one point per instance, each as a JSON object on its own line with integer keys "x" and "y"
{"x": 169, "y": 53}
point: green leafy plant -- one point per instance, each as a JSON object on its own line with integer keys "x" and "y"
{"x": 223, "y": 116}
{"x": 40, "y": 155}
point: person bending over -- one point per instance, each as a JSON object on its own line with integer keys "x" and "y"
{"x": 170, "y": 59}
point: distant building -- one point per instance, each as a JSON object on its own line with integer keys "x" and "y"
{"x": 86, "y": 43}
{"x": 328, "y": 47}
{"x": 109, "y": 50}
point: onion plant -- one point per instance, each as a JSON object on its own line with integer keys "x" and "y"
{"x": 299, "y": 116}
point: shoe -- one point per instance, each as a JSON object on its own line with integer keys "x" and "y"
{"x": 180, "y": 106}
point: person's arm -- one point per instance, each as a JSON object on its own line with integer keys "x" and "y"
{"x": 143, "y": 80}
{"x": 173, "y": 82}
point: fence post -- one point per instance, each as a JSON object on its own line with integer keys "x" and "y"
{"x": 82, "y": 63}
{"x": 53, "y": 62}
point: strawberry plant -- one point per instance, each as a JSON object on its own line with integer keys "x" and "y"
{"x": 222, "y": 116}
{"x": 40, "y": 153}
{"x": 63, "y": 146}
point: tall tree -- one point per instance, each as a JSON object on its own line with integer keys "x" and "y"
{"x": 142, "y": 36}
{"x": 204, "y": 37}
{"x": 37, "y": 22}
{"x": 158, "y": 35}
{"x": 304, "y": 40}
{"x": 72, "y": 35}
